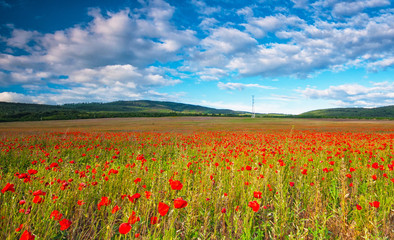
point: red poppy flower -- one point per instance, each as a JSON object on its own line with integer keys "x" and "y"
{"x": 291, "y": 184}
{"x": 64, "y": 224}
{"x": 176, "y": 185}
{"x": 180, "y": 203}
{"x": 124, "y": 228}
{"x": 358, "y": 207}
{"x": 32, "y": 171}
{"x": 153, "y": 220}
{"x": 254, "y": 205}
{"x": 80, "y": 202}
{"x": 56, "y": 215}
{"x": 224, "y": 210}
{"x": 137, "y": 180}
{"x": 133, "y": 218}
{"x": 37, "y": 199}
{"x": 375, "y": 204}
{"x": 8, "y": 187}
{"x": 257, "y": 194}
{"x": 39, "y": 193}
{"x": 163, "y": 208}
{"x": 26, "y": 235}
{"x": 104, "y": 202}
{"x": 147, "y": 194}
{"x": 374, "y": 177}
{"x": 115, "y": 209}
{"x": 134, "y": 197}
{"x": 19, "y": 228}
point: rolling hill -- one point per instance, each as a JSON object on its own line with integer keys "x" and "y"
{"x": 141, "y": 108}
{"x": 379, "y": 112}
{"x": 145, "y": 108}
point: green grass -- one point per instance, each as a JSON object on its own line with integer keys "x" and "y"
{"x": 211, "y": 164}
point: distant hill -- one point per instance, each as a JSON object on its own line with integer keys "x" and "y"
{"x": 141, "y": 108}
{"x": 145, "y": 108}
{"x": 379, "y": 112}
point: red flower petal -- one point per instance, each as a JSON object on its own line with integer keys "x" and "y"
{"x": 180, "y": 203}
{"x": 124, "y": 228}
{"x": 163, "y": 208}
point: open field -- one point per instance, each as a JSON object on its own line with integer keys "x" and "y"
{"x": 197, "y": 178}
{"x": 189, "y": 124}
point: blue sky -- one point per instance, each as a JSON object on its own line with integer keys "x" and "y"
{"x": 292, "y": 56}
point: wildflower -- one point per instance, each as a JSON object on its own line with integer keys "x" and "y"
{"x": 257, "y": 194}
{"x": 134, "y": 197}
{"x": 153, "y": 220}
{"x": 115, "y": 209}
{"x": 180, "y": 203}
{"x": 26, "y": 235}
{"x": 8, "y": 187}
{"x": 375, "y": 204}
{"x": 163, "y": 208}
{"x": 104, "y": 202}
{"x": 124, "y": 228}
{"x": 56, "y": 215}
{"x": 176, "y": 185}
{"x": 19, "y": 228}
{"x": 64, "y": 224}
{"x": 254, "y": 205}
{"x": 133, "y": 218}
{"x": 37, "y": 199}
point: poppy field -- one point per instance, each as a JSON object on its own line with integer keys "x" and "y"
{"x": 241, "y": 180}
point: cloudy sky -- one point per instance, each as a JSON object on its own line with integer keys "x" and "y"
{"x": 292, "y": 55}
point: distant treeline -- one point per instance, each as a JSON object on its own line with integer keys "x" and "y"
{"x": 143, "y": 108}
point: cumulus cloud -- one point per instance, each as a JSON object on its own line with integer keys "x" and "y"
{"x": 15, "y": 97}
{"x": 379, "y": 94}
{"x": 353, "y": 7}
{"x": 241, "y": 86}
{"x": 115, "y": 48}
{"x": 113, "y": 38}
{"x": 203, "y": 8}
{"x": 321, "y": 46}
{"x": 227, "y": 40}
{"x": 260, "y": 26}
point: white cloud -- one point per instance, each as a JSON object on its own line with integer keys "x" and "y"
{"x": 112, "y": 53}
{"x": 114, "y": 38}
{"x": 354, "y": 7}
{"x": 241, "y": 86}
{"x": 15, "y": 97}
{"x": 322, "y": 46}
{"x": 382, "y": 64}
{"x": 300, "y": 3}
{"x": 228, "y": 40}
{"x": 380, "y": 94}
{"x": 260, "y": 26}
{"x": 203, "y": 8}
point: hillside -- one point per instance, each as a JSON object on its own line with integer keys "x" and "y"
{"x": 379, "y": 112}
{"x": 147, "y": 106}
{"x": 142, "y": 108}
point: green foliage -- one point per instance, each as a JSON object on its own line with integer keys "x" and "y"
{"x": 380, "y": 112}
{"x": 35, "y": 112}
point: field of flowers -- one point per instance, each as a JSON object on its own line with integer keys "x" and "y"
{"x": 203, "y": 184}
